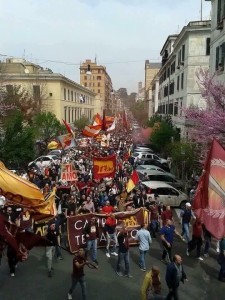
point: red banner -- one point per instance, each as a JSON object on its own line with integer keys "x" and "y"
{"x": 209, "y": 204}
{"x": 76, "y": 224}
{"x": 104, "y": 167}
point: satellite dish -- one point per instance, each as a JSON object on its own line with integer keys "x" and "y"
{"x": 26, "y": 71}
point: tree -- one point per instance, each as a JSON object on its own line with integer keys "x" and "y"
{"x": 16, "y": 145}
{"x": 163, "y": 134}
{"x": 207, "y": 122}
{"x": 47, "y": 126}
{"x": 81, "y": 123}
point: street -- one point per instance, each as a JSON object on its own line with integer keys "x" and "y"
{"x": 31, "y": 281}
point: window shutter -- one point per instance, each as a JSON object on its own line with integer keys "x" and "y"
{"x": 223, "y": 55}
{"x": 217, "y": 57}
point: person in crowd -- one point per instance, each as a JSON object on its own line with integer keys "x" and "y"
{"x": 221, "y": 260}
{"x": 89, "y": 205}
{"x": 167, "y": 233}
{"x": 174, "y": 275}
{"x": 144, "y": 238}
{"x": 207, "y": 239}
{"x": 154, "y": 218}
{"x": 151, "y": 286}
{"x": 137, "y": 199}
{"x": 107, "y": 208}
{"x": 52, "y": 236}
{"x": 91, "y": 235}
{"x": 196, "y": 241}
{"x": 123, "y": 252}
{"x": 79, "y": 261}
{"x": 110, "y": 229}
{"x": 167, "y": 214}
{"x": 186, "y": 215}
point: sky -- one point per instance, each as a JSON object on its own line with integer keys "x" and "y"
{"x": 120, "y": 34}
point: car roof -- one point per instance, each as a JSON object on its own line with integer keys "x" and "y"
{"x": 146, "y": 167}
{"x": 157, "y": 184}
{"x": 151, "y": 172}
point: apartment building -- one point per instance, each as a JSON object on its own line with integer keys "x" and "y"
{"x": 151, "y": 69}
{"x": 95, "y": 78}
{"x": 56, "y": 93}
{"x": 217, "y": 42}
{"x": 182, "y": 56}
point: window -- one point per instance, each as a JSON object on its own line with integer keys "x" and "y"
{"x": 178, "y": 83}
{"x": 89, "y": 83}
{"x": 85, "y": 84}
{"x": 175, "y": 108}
{"x": 99, "y": 71}
{"x": 220, "y": 55}
{"x": 220, "y": 13}
{"x": 168, "y": 72}
{"x": 99, "y": 77}
{"x": 93, "y": 84}
{"x": 9, "y": 89}
{"x": 173, "y": 67}
{"x": 68, "y": 94}
{"x": 36, "y": 92}
{"x": 99, "y": 84}
{"x": 65, "y": 109}
{"x": 183, "y": 53}
{"x": 71, "y": 95}
{"x": 85, "y": 77}
{"x": 207, "y": 46}
{"x": 182, "y": 81}
{"x": 165, "y": 91}
{"x": 64, "y": 94}
{"x": 99, "y": 91}
{"x": 172, "y": 88}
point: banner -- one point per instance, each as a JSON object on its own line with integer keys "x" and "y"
{"x": 76, "y": 224}
{"x": 104, "y": 167}
{"x": 209, "y": 204}
{"x": 68, "y": 172}
{"x": 19, "y": 191}
{"x": 67, "y": 141}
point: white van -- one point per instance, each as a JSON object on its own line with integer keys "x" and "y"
{"x": 168, "y": 195}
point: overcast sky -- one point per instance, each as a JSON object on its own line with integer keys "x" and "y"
{"x": 122, "y": 34}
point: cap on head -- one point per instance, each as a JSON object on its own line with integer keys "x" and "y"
{"x": 188, "y": 204}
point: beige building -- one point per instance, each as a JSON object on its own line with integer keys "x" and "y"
{"x": 58, "y": 94}
{"x": 151, "y": 69}
{"x": 95, "y": 78}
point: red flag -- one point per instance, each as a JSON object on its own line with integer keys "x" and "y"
{"x": 97, "y": 120}
{"x": 209, "y": 201}
{"x": 104, "y": 167}
{"x": 69, "y": 128}
{"x": 103, "y": 121}
{"x": 30, "y": 240}
{"x": 91, "y": 130}
{"x": 133, "y": 181}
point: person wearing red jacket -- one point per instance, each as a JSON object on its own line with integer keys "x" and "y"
{"x": 196, "y": 241}
{"x": 107, "y": 208}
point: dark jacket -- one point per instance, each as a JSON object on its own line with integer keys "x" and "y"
{"x": 87, "y": 230}
{"x": 171, "y": 276}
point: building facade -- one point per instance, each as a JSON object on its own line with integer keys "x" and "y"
{"x": 217, "y": 41}
{"x": 65, "y": 98}
{"x": 151, "y": 69}
{"x": 95, "y": 78}
{"x": 182, "y": 57}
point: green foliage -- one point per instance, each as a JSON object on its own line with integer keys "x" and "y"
{"x": 81, "y": 123}
{"x": 184, "y": 158}
{"x": 47, "y": 126}
{"x": 163, "y": 135}
{"x": 16, "y": 146}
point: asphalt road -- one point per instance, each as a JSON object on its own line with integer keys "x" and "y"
{"x": 31, "y": 281}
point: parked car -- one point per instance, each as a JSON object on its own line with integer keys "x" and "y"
{"x": 44, "y": 160}
{"x": 146, "y": 168}
{"x": 57, "y": 152}
{"x": 149, "y": 155}
{"x": 153, "y": 175}
{"x": 143, "y": 149}
{"x": 168, "y": 195}
{"x": 147, "y": 161}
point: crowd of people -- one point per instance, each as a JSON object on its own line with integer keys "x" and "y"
{"x": 109, "y": 196}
